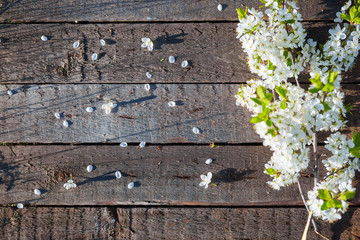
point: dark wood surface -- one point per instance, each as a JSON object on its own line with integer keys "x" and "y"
{"x": 214, "y": 53}
{"x": 28, "y": 115}
{"x": 166, "y": 202}
{"x": 164, "y": 175}
{"x": 148, "y": 10}
{"x": 167, "y": 223}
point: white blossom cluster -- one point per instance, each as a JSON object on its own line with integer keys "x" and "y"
{"x": 285, "y": 115}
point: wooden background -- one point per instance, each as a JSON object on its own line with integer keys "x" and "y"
{"x": 166, "y": 202}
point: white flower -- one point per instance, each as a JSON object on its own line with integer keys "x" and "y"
{"x": 37, "y": 191}
{"x": 148, "y": 75}
{"x": 94, "y": 56}
{"x": 44, "y": 38}
{"x": 19, "y": 205}
{"x": 108, "y": 107}
{"x": 220, "y": 7}
{"x": 9, "y": 92}
{"x": 89, "y": 168}
{"x": 123, "y": 144}
{"x": 70, "y": 184}
{"x": 131, "y": 185}
{"x": 205, "y": 180}
{"x": 147, "y": 43}
{"x": 102, "y": 42}
{"x": 57, "y": 115}
{"x": 118, "y": 174}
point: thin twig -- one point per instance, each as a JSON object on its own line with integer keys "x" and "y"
{"x": 304, "y": 236}
{"x": 307, "y": 208}
{"x": 315, "y": 148}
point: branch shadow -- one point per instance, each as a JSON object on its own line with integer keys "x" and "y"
{"x": 166, "y": 39}
{"x": 229, "y": 175}
{"x": 9, "y": 172}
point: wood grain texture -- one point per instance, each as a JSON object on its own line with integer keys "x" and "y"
{"x": 234, "y": 223}
{"x": 59, "y": 223}
{"x": 163, "y": 175}
{"x": 168, "y": 223}
{"x": 215, "y": 55}
{"x": 148, "y": 10}
{"x": 28, "y": 115}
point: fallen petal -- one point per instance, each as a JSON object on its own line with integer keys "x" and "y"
{"x": 184, "y": 64}
{"x": 171, "y": 59}
{"x": 76, "y": 44}
{"x": 131, "y": 185}
{"x": 37, "y": 191}
{"x": 118, "y": 174}
{"x": 142, "y": 144}
{"x": 44, "y": 38}
{"x": 123, "y": 144}
{"x": 66, "y": 123}
{"x": 94, "y": 56}
{"x": 172, "y": 104}
{"x": 89, "y": 109}
{"x": 195, "y": 130}
{"x": 89, "y": 168}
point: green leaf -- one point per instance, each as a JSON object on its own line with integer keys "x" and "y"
{"x": 352, "y": 12}
{"x": 268, "y": 122}
{"x": 257, "y": 101}
{"x": 286, "y": 54}
{"x": 254, "y": 120}
{"x": 357, "y": 20}
{"x": 338, "y": 204}
{"x": 347, "y": 195}
{"x": 272, "y": 132}
{"x": 289, "y": 62}
{"x": 345, "y": 17}
{"x": 324, "y": 194}
{"x": 332, "y": 76}
{"x": 315, "y": 90}
{"x": 356, "y": 139}
{"x": 264, "y": 96}
{"x": 355, "y": 151}
{"x": 330, "y": 203}
{"x": 326, "y": 106}
{"x": 329, "y": 87}
{"x": 281, "y": 91}
{"x": 241, "y": 13}
{"x": 283, "y": 105}
{"x": 271, "y": 66}
{"x": 324, "y": 206}
{"x": 270, "y": 171}
{"x": 317, "y": 81}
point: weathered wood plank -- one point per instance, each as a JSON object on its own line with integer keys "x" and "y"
{"x": 234, "y": 223}
{"x": 150, "y": 10}
{"x": 168, "y": 223}
{"x": 169, "y": 175}
{"x": 59, "y": 223}
{"x": 211, "y": 48}
{"x": 28, "y": 115}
